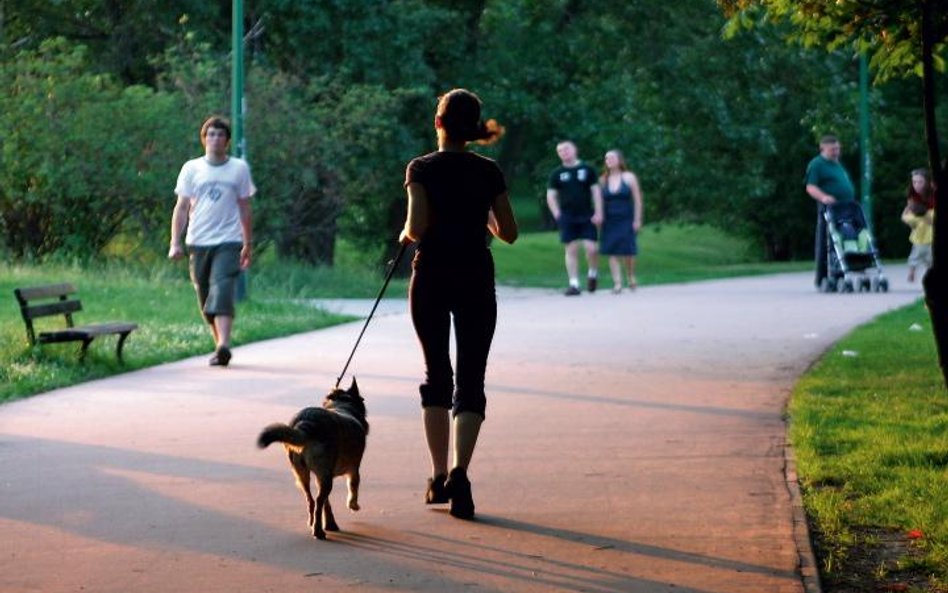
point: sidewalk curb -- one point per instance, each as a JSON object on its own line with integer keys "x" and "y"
{"x": 808, "y": 567}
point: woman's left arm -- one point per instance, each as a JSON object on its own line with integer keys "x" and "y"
{"x": 416, "y": 222}
{"x": 633, "y": 182}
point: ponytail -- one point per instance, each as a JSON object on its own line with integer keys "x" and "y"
{"x": 488, "y": 132}
{"x": 460, "y": 113}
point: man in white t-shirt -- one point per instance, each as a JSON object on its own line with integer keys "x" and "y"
{"x": 214, "y": 204}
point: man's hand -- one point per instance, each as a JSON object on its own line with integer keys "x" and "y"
{"x": 819, "y": 195}
{"x": 596, "y": 219}
{"x": 245, "y": 256}
{"x": 175, "y": 252}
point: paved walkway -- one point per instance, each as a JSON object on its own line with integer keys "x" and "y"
{"x": 634, "y": 443}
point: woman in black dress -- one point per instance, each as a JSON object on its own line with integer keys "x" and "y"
{"x": 454, "y": 198}
{"x": 622, "y": 208}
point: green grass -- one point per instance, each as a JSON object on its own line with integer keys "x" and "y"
{"x": 162, "y": 302}
{"x": 668, "y": 253}
{"x": 869, "y": 424}
{"x": 529, "y": 207}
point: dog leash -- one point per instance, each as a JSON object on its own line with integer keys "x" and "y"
{"x": 393, "y": 264}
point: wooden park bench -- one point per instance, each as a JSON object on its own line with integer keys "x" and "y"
{"x": 53, "y": 300}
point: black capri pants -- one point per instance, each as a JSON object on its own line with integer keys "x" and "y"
{"x": 439, "y": 293}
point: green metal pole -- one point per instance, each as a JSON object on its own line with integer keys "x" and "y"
{"x": 237, "y": 80}
{"x": 866, "y": 158}
{"x": 237, "y": 145}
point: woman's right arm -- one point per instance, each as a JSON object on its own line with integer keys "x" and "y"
{"x": 416, "y": 223}
{"x": 501, "y": 221}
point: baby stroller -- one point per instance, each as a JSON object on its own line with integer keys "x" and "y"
{"x": 852, "y": 261}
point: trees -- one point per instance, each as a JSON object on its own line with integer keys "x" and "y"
{"x": 81, "y": 155}
{"x": 340, "y": 95}
{"x": 904, "y": 37}
{"x": 121, "y": 35}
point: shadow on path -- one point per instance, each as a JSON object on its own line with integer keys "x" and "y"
{"x": 168, "y": 504}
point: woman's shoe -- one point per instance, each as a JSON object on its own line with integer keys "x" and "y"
{"x": 437, "y": 492}
{"x": 459, "y": 489}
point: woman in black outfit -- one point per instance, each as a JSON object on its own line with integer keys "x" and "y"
{"x": 454, "y": 198}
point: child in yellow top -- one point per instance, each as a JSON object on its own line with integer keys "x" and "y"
{"x": 919, "y": 215}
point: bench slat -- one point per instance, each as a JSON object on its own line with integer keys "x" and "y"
{"x": 83, "y": 332}
{"x": 43, "y": 292}
{"x": 55, "y": 308}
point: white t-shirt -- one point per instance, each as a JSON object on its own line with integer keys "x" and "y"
{"x": 214, "y": 191}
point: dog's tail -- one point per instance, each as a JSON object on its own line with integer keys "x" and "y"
{"x": 280, "y": 433}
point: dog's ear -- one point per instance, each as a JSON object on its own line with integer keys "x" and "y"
{"x": 354, "y": 388}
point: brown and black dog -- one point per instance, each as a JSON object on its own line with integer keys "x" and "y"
{"x": 329, "y": 442}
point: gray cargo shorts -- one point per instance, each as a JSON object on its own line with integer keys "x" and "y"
{"x": 214, "y": 272}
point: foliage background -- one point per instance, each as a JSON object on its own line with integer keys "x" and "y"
{"x": 101, "y": 103}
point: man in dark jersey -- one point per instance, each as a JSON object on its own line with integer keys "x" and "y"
{"x": 827, "y": 182}
{"x": 575, "y": 202}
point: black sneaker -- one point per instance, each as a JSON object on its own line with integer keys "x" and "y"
{"x": 437, "y": 492}
{"x": 591, "y": 284}
{"x": 572, "y": 291}
{"x": 459, "y": 488}
{"x": 221, "y": 357}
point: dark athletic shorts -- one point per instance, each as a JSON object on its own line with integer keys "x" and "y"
{"x": 214, "y": 272}
{"x": 572, "y": 229}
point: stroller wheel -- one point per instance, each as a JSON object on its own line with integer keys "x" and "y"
{"x": 865, "y": 285}
{"x": 884, "y": 285}
{"x": 846, "y": 286}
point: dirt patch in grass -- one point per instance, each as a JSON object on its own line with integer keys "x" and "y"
{"x": 880, "y": 561}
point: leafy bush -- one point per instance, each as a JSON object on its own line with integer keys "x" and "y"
{"x": 83, "y": 158}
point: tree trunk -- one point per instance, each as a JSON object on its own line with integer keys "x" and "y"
{"x": 308, "y": 230}
{"x": 936, "y": 291}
